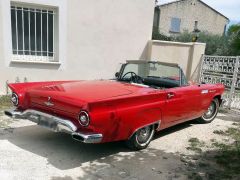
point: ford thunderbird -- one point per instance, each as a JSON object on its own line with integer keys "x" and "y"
{"x": 145, "y": 97}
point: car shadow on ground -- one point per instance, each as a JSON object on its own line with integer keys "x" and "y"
{"x": 173, "y": 129}
{"x": 146, "y": 164}
{"x": 61, "y": 150}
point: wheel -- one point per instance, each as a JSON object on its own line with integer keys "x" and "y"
{"x": 211, "y": 113}
{"x": 141, "y": 138}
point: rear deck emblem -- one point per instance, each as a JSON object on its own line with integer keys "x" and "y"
{"x": 49, "y": 103}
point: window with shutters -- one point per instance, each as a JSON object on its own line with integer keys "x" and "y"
{"x": 175, "y": 25}
{"x": 33, "y": 33}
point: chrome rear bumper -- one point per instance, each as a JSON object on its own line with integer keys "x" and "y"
{"x": 55, "y": 124}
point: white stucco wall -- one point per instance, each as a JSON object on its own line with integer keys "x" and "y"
{"x": 95, "y": 36}
{"x": 1, "y": 40}
{"x": 187, "y": 55}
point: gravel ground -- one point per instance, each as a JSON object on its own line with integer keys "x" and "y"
{"x": 31, "y": 152}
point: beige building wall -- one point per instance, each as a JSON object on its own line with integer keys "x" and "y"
{"x": 187, "y": 55}
{"x": 190, "y": 11}
{"x": 94, "y": 37}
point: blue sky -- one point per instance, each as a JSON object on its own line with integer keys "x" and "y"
{"x": 230, "y": 8}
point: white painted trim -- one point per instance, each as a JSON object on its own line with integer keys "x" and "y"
{"x": 35, "y": 62}
{"x": 7, "y": 35}
{"x": 176, "y": 43}
{"x": 61, "y": 6}
{"x": 32, "y": 58}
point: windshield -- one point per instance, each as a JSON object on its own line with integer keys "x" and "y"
{"x": 151, "y": 70}
{"x": 154, "y": 74}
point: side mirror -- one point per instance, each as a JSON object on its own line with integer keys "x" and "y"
{"x": 117, "y": 74}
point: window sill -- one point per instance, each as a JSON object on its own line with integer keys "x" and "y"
{"x": 35, "y": 62}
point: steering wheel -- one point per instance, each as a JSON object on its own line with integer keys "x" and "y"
{"x": 134, "y": 77}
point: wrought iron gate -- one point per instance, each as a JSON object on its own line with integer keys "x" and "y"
{"x": 225, "y": 70}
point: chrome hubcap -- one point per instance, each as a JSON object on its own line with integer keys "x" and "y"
{"x": 143, "y": 134}
{"x": 211, "y": 111}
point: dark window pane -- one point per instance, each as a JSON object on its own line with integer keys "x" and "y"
{"x": 32, "y": 31}
{"x": 50, "y": 34}
{"x": 26, "y": 31}
{"x": 14, "y": 35}
{"x": 44, "y": 33}
{"x": 38, "y": 30}
{"x": 20, "y": 30}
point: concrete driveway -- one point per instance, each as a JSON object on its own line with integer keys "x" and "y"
{"x": 31, "y": 152}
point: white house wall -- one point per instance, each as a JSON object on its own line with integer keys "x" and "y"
{"x": 94, "y": 37}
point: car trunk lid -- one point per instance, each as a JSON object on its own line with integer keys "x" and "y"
{"x": 71, "y": 96}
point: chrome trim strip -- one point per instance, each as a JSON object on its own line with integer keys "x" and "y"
{"x": 205, "y": 91}
{"x": 54, "y": 123}
{"x": 141, "y": 85}
{"x": 212, "y": 91}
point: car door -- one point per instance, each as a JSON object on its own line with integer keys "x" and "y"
{"x": 207, "y": 94}
{"x": 182, "y": 104}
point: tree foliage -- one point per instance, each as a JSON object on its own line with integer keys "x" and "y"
{"x": 234, "y": 39}
{"x": 233, "y": 29}
{"x": 225, "y": 45}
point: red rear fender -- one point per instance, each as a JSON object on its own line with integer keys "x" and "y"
{"x": 21, "y": 88}
{"x": 145, "y": 118}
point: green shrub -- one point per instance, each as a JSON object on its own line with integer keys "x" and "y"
{"x": 156, "y": 35}
{"x": 5, "y": 102}
{"x": 219, "y": 45}
{"x": 215, "y": 44}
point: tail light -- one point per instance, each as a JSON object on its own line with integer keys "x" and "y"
{"x": 83, "y": 118}
{"x": 15, "y": 99}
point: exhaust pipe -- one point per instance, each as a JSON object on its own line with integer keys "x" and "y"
{"x": 91, "y": 138}
{"x": 8, "y": 113}
{"x": 77, "y": 137}
{"x": 14, "y": 114}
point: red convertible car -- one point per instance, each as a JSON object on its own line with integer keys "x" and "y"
{"x": 144, "y": 98}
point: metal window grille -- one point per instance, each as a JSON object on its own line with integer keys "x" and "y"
{"x": 33, "y": 33}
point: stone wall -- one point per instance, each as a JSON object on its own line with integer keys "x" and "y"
{"x": 190, "y": 11}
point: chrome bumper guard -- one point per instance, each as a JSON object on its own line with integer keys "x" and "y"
{"x": 55, "y": 124}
